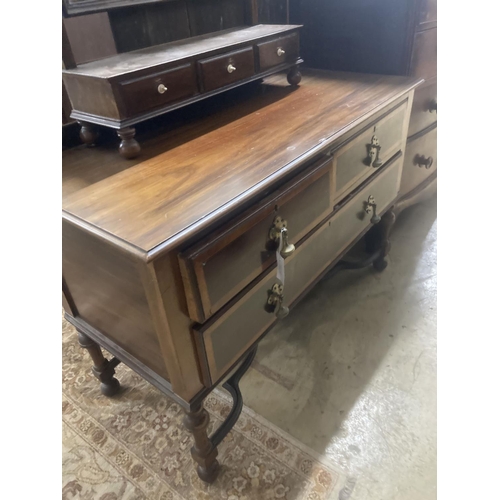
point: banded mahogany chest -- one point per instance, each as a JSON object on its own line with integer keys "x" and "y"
{"x": 170, "y": 260}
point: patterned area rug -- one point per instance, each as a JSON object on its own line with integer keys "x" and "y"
{"x": 134, "y": 446}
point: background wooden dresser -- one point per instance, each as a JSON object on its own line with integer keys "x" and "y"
{"x": 394, "y": 37}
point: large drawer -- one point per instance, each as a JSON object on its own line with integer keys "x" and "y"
{"x": 158, "y": 89}
{"x": 218, "y": 267}
{"x": 278, "y": 51}
{"x": 226, "y": 337}
{"x": 353, "y": 163}
{"x": 228, "y": 68}
{"x": 424, "y": 59}
{"x": 420, "y": 160}
{"x": 424, "y": 109}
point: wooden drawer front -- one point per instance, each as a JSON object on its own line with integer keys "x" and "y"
{"x": 225, "y": 338}
{"x": 143, "y": 94}
{"x": 424, "y": 59}
{"x": 423, "y": 146}
{"x": 428, "y": 14}
{"x": 217, "y": 268}
{"x": 279, "y": 51}
{"x": 216, "y": 71}
{"x": 424, "y": 109}
{"x": 351, "y": 162}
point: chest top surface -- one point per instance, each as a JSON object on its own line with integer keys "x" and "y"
{"x": 193, "y": 174}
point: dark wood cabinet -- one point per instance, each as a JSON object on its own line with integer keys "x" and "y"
{"x": 397, "y": 37}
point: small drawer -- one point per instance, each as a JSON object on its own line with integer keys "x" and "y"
{"x": 228, "y": 68}
{"x": 278, "y": 51}
{"x": 226, "y": 337}
{"x": 424, "y": 59}
{"x": 217, "y": 268}
{"x": 159, "y": 89}
{"x": 352, "y": 163}
{"x": 424, "y": 109}
{"x": 420, "y": 160}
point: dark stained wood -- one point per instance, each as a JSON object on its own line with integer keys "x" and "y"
{"x": 273, "y": 11}
{"x": 269, "y": 55}
{"x": 142, "y": 94}
{"x": 228, "y": 68}
{"x": 204, "y": 180}
{"x": 73, "y": 7}
{"x": 204, "y": 453}
{"x": 90, "y": 37}
{"x": 209, "y": 16}
{"x": 88, "y": 133}
{"x": 129, "y": 148}
{"x": 148, "y": 25}
{"x": 103, "y": 369}
{"x": 424, "y": 61}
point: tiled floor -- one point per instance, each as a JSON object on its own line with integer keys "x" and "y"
{"x": 352, "y": 371}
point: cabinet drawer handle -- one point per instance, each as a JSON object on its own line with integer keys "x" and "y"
{"x": 371, "y": 207}
{"x": 274, "y": 302}
{"x": 279, "y": 229}
{"x": 230, "y": 68}
{"x": 422, "y": 161}
{"x": 373, "y": 159}
{"x": 280, "y": 52}
{"x": 433, "y": 106}
{"x": 162, "y": 89}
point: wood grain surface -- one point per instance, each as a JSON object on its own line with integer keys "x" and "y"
{"x": 188, "y": 181}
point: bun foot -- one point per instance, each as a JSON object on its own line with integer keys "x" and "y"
{"x": 129, "y": 147}
{"x": 88, "y": 134}
{"x": 294, "y": 76}
{"x": 379, "y": 265}
{"x": 110, "y": 388}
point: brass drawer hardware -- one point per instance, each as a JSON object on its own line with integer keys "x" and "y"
{"x": 162, "y": 89}
{"x": 373, "y": 159}
{"x": 280, "y": 52}
{"x": 275, "y": 302}
{"x": 371, "y": 206}
{"x": 433, "y": 106}
{"x": 279, "y": 228}
{"x": 422, "y": 161}
{"x": 230, "y": 68}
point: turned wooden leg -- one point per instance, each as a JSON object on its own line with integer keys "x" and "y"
{"x": 384, "y": 245}
{"x": 103, "y": 369}
{"x": 203, "y": 452}
{"x": 129, "y": 147}
{"x": 88, "y": 133}
{"x": 294, "y": 76}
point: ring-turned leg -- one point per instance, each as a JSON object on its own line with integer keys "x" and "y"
{"x": 384, "y": 244}
{"x": 88, "y": 133}
{"x": 294, "y": 76}
{"x": 129, "y": 147}
{"x": 103, "y": 369}
{"x": 204, "y": 451}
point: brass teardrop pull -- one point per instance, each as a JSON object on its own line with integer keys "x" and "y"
{"x": 373, "y": 159}
{"x": 274, "y": 302}
{"x": 279, "y": 229}
{"x": 371, "y": 206}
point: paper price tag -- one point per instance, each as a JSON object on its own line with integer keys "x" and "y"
{"x": 280, "y": 273}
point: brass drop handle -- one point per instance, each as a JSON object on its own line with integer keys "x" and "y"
{"x": 230, "y": 68}
{"x": 162, "y": 89}
{"x": 373, "y": 159}
{"x": 280, "y": 52}
{"x": 279, "y": 229}
{"x": 274, "y": 302}
{"x": 422, "y": 161}
{"x": 371, "y": 206}
{"x": 433, "y": 106}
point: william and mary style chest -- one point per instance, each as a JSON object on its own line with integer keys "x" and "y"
{"x": 179, "y": 261}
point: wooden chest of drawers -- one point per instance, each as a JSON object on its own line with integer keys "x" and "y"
{"x": 170, "y": 263}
